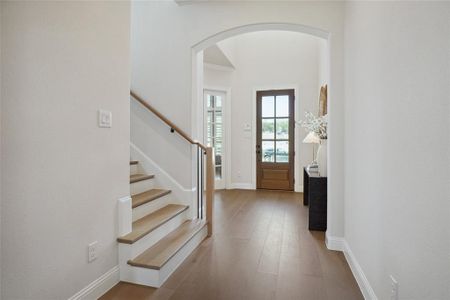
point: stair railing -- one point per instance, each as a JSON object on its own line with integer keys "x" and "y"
{"x": 204, "y": 164}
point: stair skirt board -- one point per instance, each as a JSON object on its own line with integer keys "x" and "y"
{"x": 162, "y": 179}
{"x": 142, "y": 164}
{"x": 130, "y": 251}
{"x": 155, "y": 278}
{"x": 152, "y": 206}
{"x": 142, "y": 186}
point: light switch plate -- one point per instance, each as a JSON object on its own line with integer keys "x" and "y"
{"x": 104, "y": 119}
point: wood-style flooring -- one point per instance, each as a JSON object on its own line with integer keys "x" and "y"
{"x": 261, "y": 249}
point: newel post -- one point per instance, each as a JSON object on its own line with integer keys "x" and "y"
{"x": 209, "y": 188}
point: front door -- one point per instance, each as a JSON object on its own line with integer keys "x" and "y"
{"x": 275, "y": 140}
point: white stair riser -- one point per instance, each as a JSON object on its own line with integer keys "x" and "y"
{"x": 134, "y": 169}
{"x": 137, "y": 275}
{"x": 141, "y": 186}
{"x": 155, "y": 278}
{"x": 149, "y": 207}
{"x": 130, "y": 251}
{"x": 181, "y": 255}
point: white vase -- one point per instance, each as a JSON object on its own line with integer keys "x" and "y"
{"x": 322, "y": 158}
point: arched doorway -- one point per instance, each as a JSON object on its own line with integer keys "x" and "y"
{"x": 197, "y": 82}
{"x": 197, "y": 88}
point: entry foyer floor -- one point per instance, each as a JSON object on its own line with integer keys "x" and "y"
{"x": 261, "y": 249}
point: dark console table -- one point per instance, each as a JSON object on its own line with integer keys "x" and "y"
{"x": 315, "y": 195}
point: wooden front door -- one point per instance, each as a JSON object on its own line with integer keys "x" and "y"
{"x": 275, "y": 140}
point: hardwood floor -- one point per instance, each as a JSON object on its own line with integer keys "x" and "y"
{"x": 261, "y": 249}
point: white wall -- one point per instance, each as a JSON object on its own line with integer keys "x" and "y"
{"x": 268, "y": 60}
{"x": 1, "y": 17}
{"x": 397, "y": 145}
{"x": 323, "y": 63}
{"x": 228, "y": 47}
{"x": 166, "y": 31}
{"x": 216, "y": 78}
{"x": 62, "y": 175}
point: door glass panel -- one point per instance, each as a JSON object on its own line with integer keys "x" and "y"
{"x": 210, "y": 117}
{"x": 219, "y": 172}
{"x": 282, "y": 103}
{"x": 210, "y": 130}
{"x": 267, "y": 151}
{"x": 218, "y": 147}
{"x": 210, "y": 101}
{"x": 268, "y": 129}
{"x": 282, "y": 129}
{"x": 218, "y": 160}
{"x": 218, "y": 116}
{"x": 218, "y": 102}
{"x": 282, "y": 152}
{"x": 218, "y": 128}
{"x": 214, "y": 134}
{"x": 268, "y": 106}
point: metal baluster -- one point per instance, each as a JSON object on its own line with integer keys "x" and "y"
{"x": 198, "y": 182}
{"x": 202, "y": 181}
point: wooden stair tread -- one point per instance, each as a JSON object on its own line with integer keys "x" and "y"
{"x": 139, "y": 177}
{"x": 159, "y": 254}
{"x": 134, "y": 162}
{"x": 148, "y": 196}
{"x": 150, "y": 222}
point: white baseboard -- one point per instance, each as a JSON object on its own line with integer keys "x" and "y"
{"x": 250, "y": 186}
{"x": 99, "y": 286}
{"x": 298, "y": 188}
{"x": 334, "y": 243}
{"x": 361, "y": 279}
{"x": 340, "y": 244}
{"x": 241, "y": 185}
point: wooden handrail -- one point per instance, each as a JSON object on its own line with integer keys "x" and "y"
{"x": 172, "y": 126}
{"x": 209, "y": 168}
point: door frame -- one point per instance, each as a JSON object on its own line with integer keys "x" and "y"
{"x": 226, "y": 125}
{"x": 260, "y": 164}
{"x": 297, "y": 186}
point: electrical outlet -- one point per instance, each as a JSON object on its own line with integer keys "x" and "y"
{"x": 104, "y": 119}
{"x": 92, "y": 251}
{"x": 394, "y": 288}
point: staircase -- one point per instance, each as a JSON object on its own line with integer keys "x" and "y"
{"x": 157, "y": 228}
{"x": 161, "y": 237}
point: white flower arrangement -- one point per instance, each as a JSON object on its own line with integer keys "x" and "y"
{"x": 318, "y": 125}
